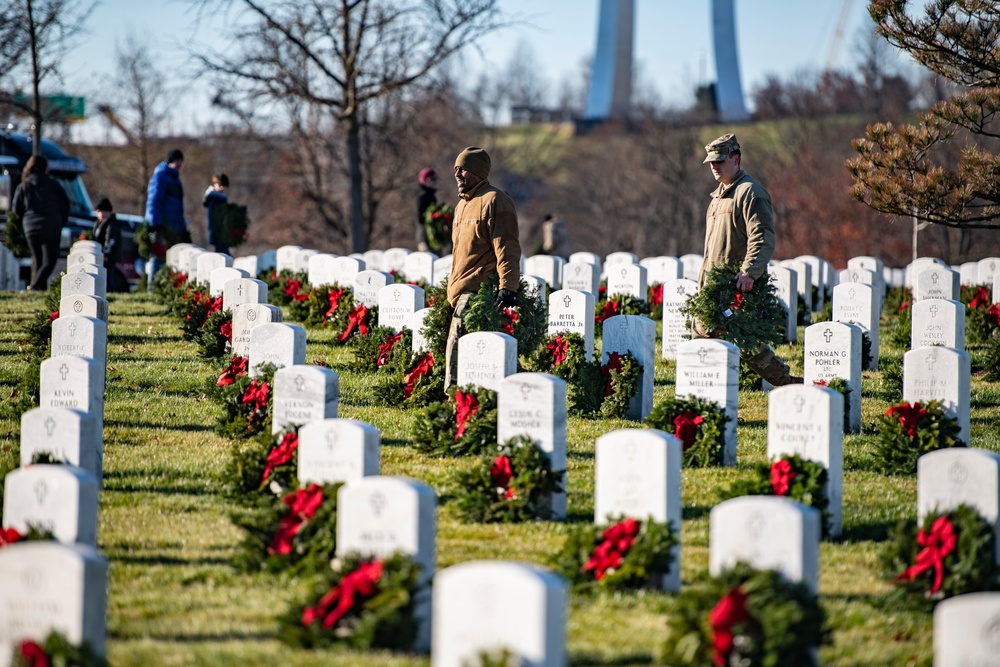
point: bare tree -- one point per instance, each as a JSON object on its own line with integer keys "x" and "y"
{"x": 35, "y": 35}
{"x": 336, "y": 59}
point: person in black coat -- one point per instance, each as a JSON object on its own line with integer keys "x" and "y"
{"x": 108, "y": 232}
{"x": 43, "y": 207}
{"x": 426, "y": 195}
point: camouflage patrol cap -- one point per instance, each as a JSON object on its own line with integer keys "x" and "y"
{"x": 721, "y": 148}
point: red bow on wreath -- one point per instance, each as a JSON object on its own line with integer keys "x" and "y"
{"x": 737, "y": 300}
{"x": 981, "y": 299}
{"x": 334, "y": 299}
{"x": 33, "y": 654}
{"x": 616, "y": 542}
{"x": 729, "y": 611}
{"x": 9, "y": 536}
{"x": 465, "y": 406}
{"x": 937, "y": 545}
{"x": 993, "y": 314}
{"x": 385, "y": 349}
{"x": 226, "y": 329}
{"x": 781, "y": 477}
{"x": 256, "y": 395}
{"x": 356, "y": 318}
{"x": 179, "y": 279}
{"x": 422, "y": 368}
{"x": 609, "y": 309}
{"x": 362, "y": 582}
{"x": 302, "y": 505}
{"x": 237, "y": 367}
{"x": 508, "y": 327}
{"x": 54, "y": 316}
{"x": 614, "y": 364}
{"x": 501, "y": 473}
{"x": 293, "y": 288}
{"x": 280, "y": 455}
{"x": 558, "y": 347}
{"x": 908, "y": 415}
{"x": 686, "y": 428}
{"x": 656, "y": 295}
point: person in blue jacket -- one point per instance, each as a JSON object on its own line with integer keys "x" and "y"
{"x": 165, "y": 207}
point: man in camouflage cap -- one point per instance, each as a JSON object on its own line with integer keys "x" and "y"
{"x": 740, "y": 231}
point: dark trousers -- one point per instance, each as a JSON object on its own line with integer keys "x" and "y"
{"x": 44, "y": 253}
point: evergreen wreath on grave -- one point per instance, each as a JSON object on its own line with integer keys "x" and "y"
{"x": 421, "y": 382}
{"x": 628, "y": 553}
{"x": 297, "y": 533}
{"x": 840, "y": 385}
{"x": 153, "y": 243}
{"x": 788, "y": 476}
{"x": 620, "y": 304}
{"x": 495, "y": 658}
{"x": 621, "y": 382}
{"x": 463, "y": 423}
{"x": 359, "y": 321}
{"x": 55, "y": 651}
{"x": 654, "y": 298}
{"x": 894, "y": 300}
{"x": 908, "y": 431}
{"x": 286, "y": 286}
{"x": 746, "y": 319}
{"x": 510, "y": 484}
{"x": 169, "y": 288}
{"x": 383, "y": 350}
{"x": 437, "y": 223}
{"x": 326, "y": 305}
{"x": 36, "y": 346}
{"x": 698, "y": 423}
{"x": 438, "y": 321}
{"x": 196, "y": 306}
{"x": 363, "y": 603}
{"x": 229, "y": 224}
{"x": 982, "y": 317}
{"x": 991, "y": 359}
{"x": 280, "y": 463}
{"x": 904, "y": 325}
{"x": 891, "y": 377}
{"x": 527, "y": 322}
{"x": 245, "y": 401}
{"x": 216, "y": 334}
{"x": 14, "y": 237}
{"x": 745, "y": 616}
{"x": 564, "y": 355}
{"x": 950, "y": 554}
{"x": 34, "y": 533}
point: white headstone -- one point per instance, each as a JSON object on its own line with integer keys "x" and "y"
{"x": 373, "y": 260}
{"x": 304, "y": 394}
{"x": 321, "y": 270}
{"x": 367, "y": 285}
{"x": 547, "y": 267}
{"x": 442, "y": 269}
{"x": 821, "y": 277}
{"x": 786, "y": 286}
{"x": 60, "y": 499}
{"x": 248, "y": 264}
{"x": 67, "y": 434}
{"x": 77, "y": 336}
{"x": 873, "y": 264}
{"x": 970, "y": 273}
{"x": 242, "y": 291}
{"x": 937, "y": 282}
{"x": 278, "y": 344}
{"x": 416, "y": 325}
{"x": 620, "y": 258}
{"x": 627, "y": 279}
{"x": 661, "y": 270}
{"x": 586, "y": 258}
{"x": 267, "y": 261}
{"x": 83, "y": 257}
{"x": 73, "y": 382}
{"x": 767, "y": 533}
{"x": 939, "y": 373}
{"x": 572, "y": 311}
{"x": 710, "y": 369}
{"x": 581, "y": 276}
{"x": 208, "y": 262}
{"x": 808, "y": 420}
{"x": 345, "y": 269}
{"x": 87, "y": 306}
{"x": 83, "y": 283}
{"x": 189, "y": 262}
{"x": 245, "y": 318}
{"x": 173, "y": 257}
{"x": 534, "y": 404}
{"x": 301, "y": 264}
{"x": 635, "y": 334}
{"x": 914, "y": 268}
{"x": 967, "y": 631}
{"x": 420, "y": 266}
{"x": 947, "y": 478}
{"x": 397, "y": 303}
{"x": 937, "y": 322}
{"x": 490, "y": 606}
{"x": 803, "y": 271}
{"x": 676, "y": 326}
{"x": 833, "y": 350}
{"x": 92, "y": 269}
{"x": 51, "y": 587}
{"x": 219, "y": 277}
{"x": 637, "y": 474}
{"x": 535, "y": 287}
{"x": 285, "y": 257}
{"x": 86, "y": 245}
{"x": 857, "y": 303}
{"x": 394, "y": 260}
{"x": 485, "y": 358}
{"x": 337, "y": 450}
{"x": 988, "y": 267}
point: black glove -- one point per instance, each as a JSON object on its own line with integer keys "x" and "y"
{"x": 505, "y": 299}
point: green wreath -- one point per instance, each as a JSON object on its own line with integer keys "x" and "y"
{"x": 702, "y": 445}
{"x": 381, "y": 615}
{"x": 215, "y": 335}
{"x": 14, "y": 237}
{"x": 621, "y": 384}
{"x": 619, "y": 304}
{"x": 439, "y": 433}
{"x": 527, "y": 323}
{"x": 421, "y": 382}
{"x": 437, "y": 223}
{"x": 746, "y": 319}
{"x": 293, "y": 534}
{"x": 991, "y": 359}
{"x": 626, "y": 553}
{"x": 512, "y": 483}
{"x": 564, "y": 355}
{"x": 383, "y": 350}
{"x": 790, "y": 476}
{"x": 908, "y": 431}
{"x": 55, "y": 649}
{"x": 745, "y": 616}
{"x": 229, "y": 224}
{"x": 840, "y": 385}
{"x": 958, "y": 556}
{"x": 239, "y": 419}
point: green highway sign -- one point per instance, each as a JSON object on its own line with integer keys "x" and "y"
{"x": 57, "y": 107}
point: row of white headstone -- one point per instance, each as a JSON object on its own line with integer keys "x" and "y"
{"x": 61, "y": 585}
{"x": 10, "y": 269}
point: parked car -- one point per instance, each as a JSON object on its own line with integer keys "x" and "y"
{"x": 15, "y": 149}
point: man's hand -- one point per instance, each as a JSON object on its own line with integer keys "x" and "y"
{"x": 505, "y": 299}
{"x": 744, "y": 283}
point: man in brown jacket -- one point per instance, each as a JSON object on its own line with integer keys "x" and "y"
{"x": 740, "y": 231}
{"x": 485, "y": 242}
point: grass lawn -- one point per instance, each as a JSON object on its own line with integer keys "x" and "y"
{"x": 164, "y": 525}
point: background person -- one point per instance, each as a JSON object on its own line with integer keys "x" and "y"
{"x": 426, "y": 196}
{"x": 108, "y": 232}
{"x": 214, "y": 195}
{"x": 165, "y": 207}
{"x": 43, "y": 207}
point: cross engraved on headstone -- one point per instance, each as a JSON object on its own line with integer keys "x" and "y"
{"x": 77, "y": 306}
{"x": 934, "y": 311}
{"x": 72, "y": 329}
{"x": 630, "y": 451}
{"x": 958, "y": 473}
{"x": 525, "y": 392}
{"x": 852, "y": 293}
{"x": 396, "y": 295}
{"x": 567, "y": 300}
{"x": 702, "y": 353}
{"x": 623, "y": 325}
{"x": 239, "y": 290}
{"x": 934, "y": 277}
{"x": 377, "y": 502}
{"x": 331, "y": 440}
{"x": 64, "y": 371}
{"x": 50, "y": 426}
{"x": 32, "y": 578}
{"x": 755, "y": 525}
{"x": 41, "y": 491}
{"x": 481, "y": 346}
{"x": 799, "y": 404}
{"x": 854, "y": 276}
{"x": 300, "y": 383}
{"x": 930, "y": 362}
{"x": 79, "y": 280}
{"x": 251, "y": 315}
{"x": 827, "y": 334}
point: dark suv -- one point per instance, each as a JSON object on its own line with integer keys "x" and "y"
{"x": 15, "y": 149}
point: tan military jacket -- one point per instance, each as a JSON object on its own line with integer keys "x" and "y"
{"x": 740, "y": 227}
{"x": 484, "y": 241}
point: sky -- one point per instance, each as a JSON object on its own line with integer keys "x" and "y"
{"x": 672, "y": 45}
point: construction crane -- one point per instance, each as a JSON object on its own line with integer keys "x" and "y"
{"x": 838, "y": 35}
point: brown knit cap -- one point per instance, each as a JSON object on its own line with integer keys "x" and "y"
{"x": 476, "y": 160}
